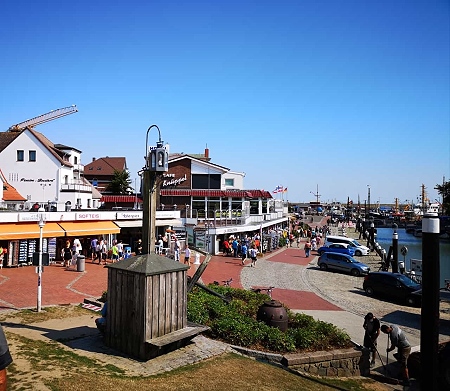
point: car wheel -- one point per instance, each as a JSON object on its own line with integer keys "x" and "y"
{"x": 323, "y": 266}
{"x": 369, "y": 291}
{"x": 358, "y": 253}
{"x": 355, "y": 272}
{"x": 411, "y": 301}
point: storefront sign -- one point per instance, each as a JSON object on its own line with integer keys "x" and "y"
{"x": 170, "y": 180}
{"x": 87, "y": 216}
{"x": 39, "y": 180}
{"x": 28, "y": 217}
{"x": 129, "y": 215}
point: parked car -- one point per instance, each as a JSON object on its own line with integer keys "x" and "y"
{"x": 341, "y": 248}
{"x": 359, "y": 248}
{"x": 342, "y": 263}
{"x": 393, "y": 286}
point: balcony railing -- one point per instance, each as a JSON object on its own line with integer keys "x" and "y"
{"x": 78, "y": 167}
{"x": 76, "y": 186}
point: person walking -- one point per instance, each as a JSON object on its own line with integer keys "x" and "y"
{"x": 93, "y": 248}
{"x": 307, "y": 248}
{"x": 243, "y": 253}
{"x": 177, "y": 249}
{"x": 138, "y": 247}
{"x": 187, "y": 255}
{"x": 398, "y": 340}
{"x": 67, "y": 254}
{"x": 120, "y": 249}
{"x": 253, "y": 256}
{"x": 114, "y": 253}
{"x": 371, "y": 326}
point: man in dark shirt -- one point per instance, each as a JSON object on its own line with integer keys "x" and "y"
{"x": 5, "y": 360}
{"x": 372, "y": 331}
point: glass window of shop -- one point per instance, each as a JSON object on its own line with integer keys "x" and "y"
{"x": 264, "y": 207}
{"x": 198, "y": 204}
{"x": 213, "y": 206}
{"x": 254, "y": 207}
{"x": 236, "y": 203}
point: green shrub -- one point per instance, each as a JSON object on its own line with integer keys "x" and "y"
{"x": 235, "y": 322}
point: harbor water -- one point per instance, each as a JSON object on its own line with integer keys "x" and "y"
{"x": 414, "y": 246}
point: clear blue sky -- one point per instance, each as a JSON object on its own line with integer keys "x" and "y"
{"x": 337, "y": 95}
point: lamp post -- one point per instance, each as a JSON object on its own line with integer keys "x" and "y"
{"x": 41, "y": 223}
{"x": 368, "y": 200}
{"x": 156, "y": 163}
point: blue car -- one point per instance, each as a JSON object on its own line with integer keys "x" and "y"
{"x": 342, "y": 263}
{"x": 341, "y": 248}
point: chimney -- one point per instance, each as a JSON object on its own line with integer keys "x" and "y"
{"x": 93, "y": 159}
{"x": 206, "y": 153}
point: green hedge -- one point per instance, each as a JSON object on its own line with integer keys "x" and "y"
{"x": 235, "y": 322}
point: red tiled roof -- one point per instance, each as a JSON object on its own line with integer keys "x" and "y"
{"x": 105, "y": 166}
{"x": 9, "y": 192}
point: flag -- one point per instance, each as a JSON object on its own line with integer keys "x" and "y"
{"x": 285, "y": 190}
{"x": 278, "y": 189}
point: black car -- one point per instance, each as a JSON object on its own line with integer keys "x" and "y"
{"x": 394, "y": 286}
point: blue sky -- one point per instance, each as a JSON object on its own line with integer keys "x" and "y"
{"x": 334, "y": 95}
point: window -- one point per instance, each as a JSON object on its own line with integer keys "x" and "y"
{"x": 229, "y": 182}
{"x": 31, "y": 156}
{"x": 20, "y": 155}
{"x": 204, "y": 181}
{"x": 75, "y": 160}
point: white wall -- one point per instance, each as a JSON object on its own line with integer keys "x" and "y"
{"x": 40, "y": 181}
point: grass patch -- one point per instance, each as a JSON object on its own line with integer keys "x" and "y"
{"x": 47, "y": 313}
{"x": 227, "y": 372}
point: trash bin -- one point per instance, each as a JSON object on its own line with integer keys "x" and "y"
{"x": 80, "y": 263}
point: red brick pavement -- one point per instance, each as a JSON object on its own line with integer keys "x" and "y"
{"x": 18, "y": 286}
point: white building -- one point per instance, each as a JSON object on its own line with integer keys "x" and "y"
{"x": 45, "y": 173}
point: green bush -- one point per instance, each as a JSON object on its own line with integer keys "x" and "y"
{"x": 235, "y": 322}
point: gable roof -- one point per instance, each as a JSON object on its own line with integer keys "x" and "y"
{"x": 9, "y": 192}
{"x": 177, "y": 157}
{"x": 6, "y": 138}
{"x": 105, "y": 166}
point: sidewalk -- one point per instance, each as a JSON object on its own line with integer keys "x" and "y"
{"x": 281, "y": 268}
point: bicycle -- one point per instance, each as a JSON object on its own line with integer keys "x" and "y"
{"x": 383, "y": 267}
{"x": 266, "y": 289}
{"x": 224, "y": 282}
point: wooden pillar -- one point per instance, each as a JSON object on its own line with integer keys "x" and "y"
{"x": 149, "y": 212}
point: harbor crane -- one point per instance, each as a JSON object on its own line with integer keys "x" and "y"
{"x": 40, "y": 119}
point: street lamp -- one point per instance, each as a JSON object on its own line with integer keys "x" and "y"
{"x": 368, "y": 200}
{"x": 41, "y": 223}
{"x": 156, "y": 163}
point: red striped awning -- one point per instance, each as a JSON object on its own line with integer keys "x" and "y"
{"x": 120, "y": 199}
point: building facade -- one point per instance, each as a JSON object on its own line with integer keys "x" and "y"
{"x": 48, "y": 174}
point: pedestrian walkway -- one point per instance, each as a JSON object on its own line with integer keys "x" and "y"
{"x": 281, "y": 269}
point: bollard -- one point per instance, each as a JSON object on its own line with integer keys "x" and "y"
{"x": 197, "y": 259}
